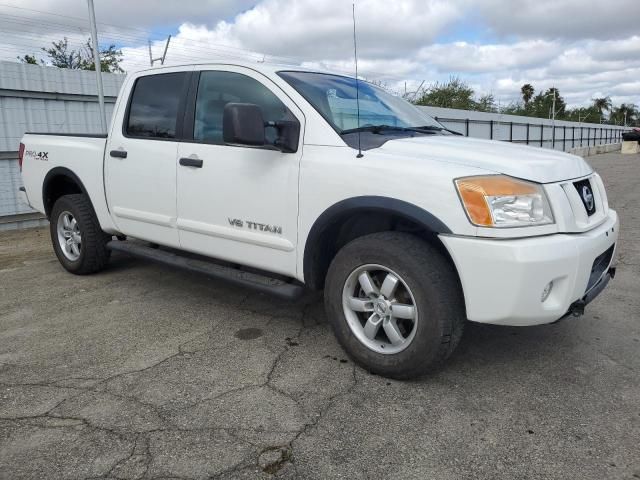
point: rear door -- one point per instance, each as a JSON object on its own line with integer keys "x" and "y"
{"x": 141, "y": 158}
{"x": 238, "y": 203}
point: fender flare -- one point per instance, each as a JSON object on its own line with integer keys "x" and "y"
{"x": 344, "y": 208}
{"x": 60, "y": 172}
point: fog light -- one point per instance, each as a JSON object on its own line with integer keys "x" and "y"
{"x": 546, "y": 291}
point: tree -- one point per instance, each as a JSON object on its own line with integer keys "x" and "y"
{"x": 527, "y": 91}
{"x": 602, "y": 104}
{"x": 582, "y": 114}
{"x": 486, "y": 103}
{"x": 456, "y": 94}
{"x": 557, "y": 104}
{"x": 110, "y": 59}
{"x": 452, "y": 94}
{"x": 30, "y": 59}
{"x": 625, "y": 114}
{"x": 62, "y": 56}
{"x": 542, "y": 105}
{"x": 514, "y": 108}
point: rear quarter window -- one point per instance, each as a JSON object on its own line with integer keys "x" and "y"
{"x": 154, "y": 105}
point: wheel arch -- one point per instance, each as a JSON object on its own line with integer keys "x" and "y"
{"x": 57, "y": 182}
{"x": 358, "y": 216}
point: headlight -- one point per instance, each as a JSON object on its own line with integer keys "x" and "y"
{"x": 502, "y": 201}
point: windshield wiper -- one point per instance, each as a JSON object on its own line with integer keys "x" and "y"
{"x": 372, "y": 128}
{"x": 381, "y": 128}
{"x": 436, "y": 128}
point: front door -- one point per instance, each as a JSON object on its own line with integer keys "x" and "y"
{"x": 238, "y": 203}
{"x": 141, "y": 159}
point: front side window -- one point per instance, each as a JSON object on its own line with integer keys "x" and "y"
{"x": 216, "y": 89}
{"x": 153, "y": 112}
{"x": 336, "y": 99}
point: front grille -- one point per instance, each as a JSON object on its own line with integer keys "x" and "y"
{"x": 600, "y": 264}
{"x": 585, "y": 192}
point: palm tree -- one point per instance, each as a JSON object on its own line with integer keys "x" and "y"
{"x": 626, "y": 113}
{"x": 602, "y": 104}
{"x": 527, "y": 91}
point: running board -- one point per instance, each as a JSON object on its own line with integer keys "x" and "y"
{"x": 261, "y": 283}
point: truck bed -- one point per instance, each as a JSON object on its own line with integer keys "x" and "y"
{"x": 79, "y": 156}
{"x": 85, "y": 135}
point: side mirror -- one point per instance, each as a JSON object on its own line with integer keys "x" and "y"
{"x": 242, "y": 124}
{"x": 288, "y": 135}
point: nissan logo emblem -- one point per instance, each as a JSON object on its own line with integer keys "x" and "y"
{"x": 587, "y": 196}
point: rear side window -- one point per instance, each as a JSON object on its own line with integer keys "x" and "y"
{"x": 155, "y": 101}
{"x": 216, "y": 89}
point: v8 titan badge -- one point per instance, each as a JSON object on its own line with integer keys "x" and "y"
{"x": 263, "y": 227}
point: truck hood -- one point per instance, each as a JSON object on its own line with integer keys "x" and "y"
{"x": 529, "y": 163}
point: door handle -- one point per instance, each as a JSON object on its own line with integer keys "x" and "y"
{"x": 118, "y": 153}
{"x": 191, "y": 162}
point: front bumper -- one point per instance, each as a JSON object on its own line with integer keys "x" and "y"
{"x": 503, "y": 280}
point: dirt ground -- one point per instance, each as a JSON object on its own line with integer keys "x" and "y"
{"x": 19, "y": 247}
{"x": 143, "y": 371}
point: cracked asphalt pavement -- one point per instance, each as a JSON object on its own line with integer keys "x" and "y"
{"x": 145, "y": 372}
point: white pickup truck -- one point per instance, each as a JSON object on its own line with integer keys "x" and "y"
{"x": 282, "y": 179}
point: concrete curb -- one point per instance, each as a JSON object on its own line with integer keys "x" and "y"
{"x": 22, "y": 220}
{"x": 595, "y": 149}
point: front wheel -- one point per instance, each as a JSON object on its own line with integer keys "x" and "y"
{"x": 395, "y": 304}
{"x": 78, "y": 241}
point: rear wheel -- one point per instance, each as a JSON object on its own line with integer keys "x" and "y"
{"x": 78, "y": 240}
{"x": 395, "y": 304}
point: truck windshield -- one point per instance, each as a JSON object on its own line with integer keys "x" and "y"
{"x": 334, "y": 97}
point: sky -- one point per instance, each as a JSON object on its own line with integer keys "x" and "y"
{"x": 587, "y": 48}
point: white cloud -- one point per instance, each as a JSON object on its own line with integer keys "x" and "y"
{"x": 572, "y": 19}
{"x": 466, "y": 57}
{"x": 584, "y": 48}
{"x": 132, "y": 13}
{"x": 322, "y": 29}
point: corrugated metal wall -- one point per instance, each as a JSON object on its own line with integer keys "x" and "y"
{"x": 9, "y": 184}
{"x": 49, "y": 99}
{"x": 19, "y": 115}
{"x": 43, "y": 99}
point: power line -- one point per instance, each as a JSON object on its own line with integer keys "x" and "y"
{"x": 202, "y": 44}
{"x": 148, "y": 33}
{"x": 194, "y": 52}
{"x": 184, "y": 49}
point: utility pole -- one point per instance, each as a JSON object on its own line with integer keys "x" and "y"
{"x": 553, "y": 120}
{"x": 98, "y": 65}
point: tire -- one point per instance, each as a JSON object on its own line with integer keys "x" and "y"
{"x": 91, "y": 254}
{"x": 428, "y": 281}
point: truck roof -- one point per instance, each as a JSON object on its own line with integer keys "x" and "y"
{"x": 263, "y": 67}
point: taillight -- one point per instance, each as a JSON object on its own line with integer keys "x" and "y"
{"x": 20, "y": 155}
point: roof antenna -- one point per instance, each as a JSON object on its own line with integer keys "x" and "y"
{"x": 355, "y": 54}
{"x": 164, "y": 55}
